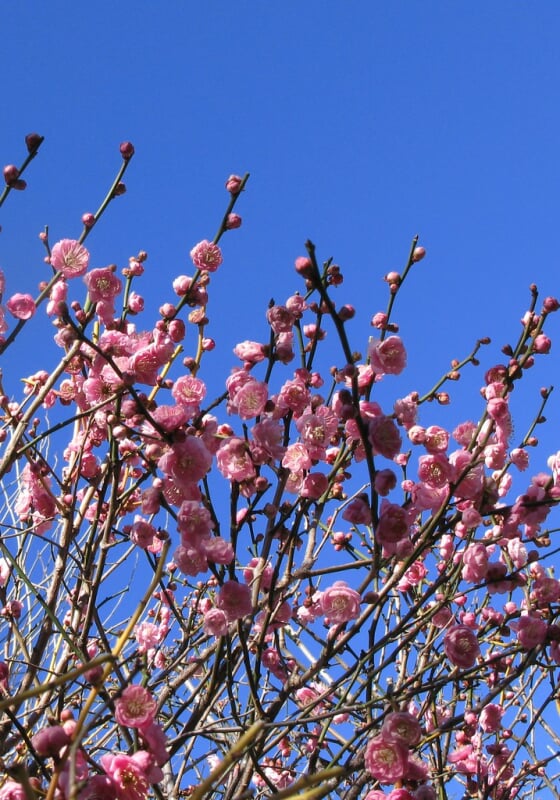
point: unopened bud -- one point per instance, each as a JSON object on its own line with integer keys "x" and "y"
{"x": 233, "y": 184}
{"x": 88, "y": 220}
{"x": 304, "y": 267}
{"x": 127, "y": 150}
{"x": 550, "y": 304}
{"x": 120, "y": 188}
{"x": 233, "y": 221}
{"x": 11, "y": 174}
{"x": 33, "y": 141}
{"x": 346, "y": 312}
{"x": 418, "y": 254}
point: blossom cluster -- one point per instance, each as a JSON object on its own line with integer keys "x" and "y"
{"x": 374, "y": 594}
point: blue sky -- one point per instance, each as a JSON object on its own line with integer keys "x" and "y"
{"x": 361, "y": 124}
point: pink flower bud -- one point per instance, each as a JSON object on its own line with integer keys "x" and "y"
{"x": 304, "y": 267}
{"x": 11, "y": 174}
{"x": 233, "y": 184}
{"x": 88, "y": 220}
{"x": 233, "y": 221}
{"x": 550, "y": 304}
{"x": 379, "y": 320}
{"x": 127, "y": 150}
{"x": 418, "y": 254}
{"x": 48, "y": 742}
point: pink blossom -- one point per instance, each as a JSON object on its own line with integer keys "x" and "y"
{"x": 235, "y": 600}
{"x": 186, "y": 462}
{"x": 49, "y": 741}
{"x": 531, "y": 631}
{"x": 21, "y": 306}
{"x": 206, "y": 256}
{"x": 436, "y": 439}
{"x": 10, "y": 790}
{"x": 190, "y": 560}
{"x": 135, "y": 708}
{"x": 316, "y": 430}
{"x": 128, "y": 775}
{"x": 194, "y": 521}
{"x": 393, "y": 525}
{"x": 386, "y": 759}
{"x": 461, "y": 646}
{"x": 148, "y": 636}
{"x": 189, "y": 391}
{"x": 234, "y": 460}
{"x": 250, "y": 352}
{"x": 250, "y": 399}
{"x": 314, "y": 485}
{"x": 406, "y": 411}
{"x": 280, "y": 319}
{"x": 491, "y": 717}
{"x": 434, "y": 470}
{"x": 520, "y": 458}
{"x": 387, "y": 357}
{"x": 102, "y": 284}
{"x": 475, "y": 563}
{"x": 156, "y": 741}
{"x": 257, "y": 567}
{"x": 296, "y": 458}
{"x": 358, "y": 512}
{"x": 142, "y": 533}
{"x": 217, "y": 550}
{"x": 70, "y": 257}
{"x": 403, "y": 727}
{"x": 215, "y": 622}
{"x": 340, "y": 603}
{"x": 267, "y": 441}
{"x": 384, "y": 436}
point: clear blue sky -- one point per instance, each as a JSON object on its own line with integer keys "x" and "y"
{"x": 362, "y": 123}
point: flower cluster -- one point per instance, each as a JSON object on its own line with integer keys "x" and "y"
{"x": 296, "y": 582}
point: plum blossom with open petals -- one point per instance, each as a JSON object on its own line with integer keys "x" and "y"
{"x": 70, "y": 257}
{"x": 340, "y": 603}
{"x": 207, "y": 256}
{"x": 102, "y": 284}
{"x": 461, "y": 646}
{"x": 136, "y": 707}
{"x": 386, "y": 759}
{"x": 387, "y": 357}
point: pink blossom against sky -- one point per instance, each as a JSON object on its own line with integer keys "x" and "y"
{"x": 360, "y": 127}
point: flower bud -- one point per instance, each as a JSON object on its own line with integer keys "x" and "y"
{"x": 304, "y": 267}
{"x": 550, "y": 304}
{"x": 346, "y": 312}
{"x": 233, "y": 184}
{"x": 11, "y": 174}
{"x": 233, "y": 221}
{"x": 120, "y": 188}
{"x": 48, "y": 742}
{"x": 88, "y": 220}
{"x": 127, "y": 150}
{"x": 33, "y": 141}
{"x": 418, "y": 254}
